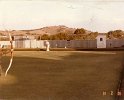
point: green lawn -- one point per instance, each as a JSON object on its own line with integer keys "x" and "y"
{"x": 62, "y": 75}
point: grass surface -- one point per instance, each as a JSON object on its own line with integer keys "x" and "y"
{"x": 63, "y": 75}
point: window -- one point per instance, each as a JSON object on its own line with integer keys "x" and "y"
{"x": 101, "y": 39}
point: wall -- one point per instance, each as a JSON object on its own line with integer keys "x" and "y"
{"x": 5, "y": 43}
{"x": 56, "y": 44}
{"x": 113, "y": 43}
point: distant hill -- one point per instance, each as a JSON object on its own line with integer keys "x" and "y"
{"x": 50, "y": 30}
{"x": 55, "y": 31}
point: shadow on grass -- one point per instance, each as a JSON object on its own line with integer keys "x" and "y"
{"x": 120, "y": 87}
{"x": 77, "y": 76}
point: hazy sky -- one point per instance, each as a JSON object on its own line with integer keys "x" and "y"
{"x": 94, "y": 15}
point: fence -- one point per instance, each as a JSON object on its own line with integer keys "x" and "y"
{"x": 56, "y": 43}
{"x": 111, "y": 43}
{"x": 4, "y": 43}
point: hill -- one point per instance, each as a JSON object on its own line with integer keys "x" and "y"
{"x": 50, "y": 30}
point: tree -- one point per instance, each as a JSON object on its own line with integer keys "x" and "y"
{"x": 109, "y": 34}
{"x": 115, "y": 34}
{"x": 44, "y": 37}
{"x": 54, "y": 37}
{"x": 93, "y": 35}
{"x": 62, "y": 36}
{"x": 80, "y": 31}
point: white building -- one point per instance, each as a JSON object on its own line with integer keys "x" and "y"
{"x": 101, "y": 40}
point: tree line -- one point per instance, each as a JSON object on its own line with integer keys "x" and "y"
{"x": 81, "y": 34}
{"x": 116, "y": 34}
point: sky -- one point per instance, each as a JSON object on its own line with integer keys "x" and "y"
{"x": 94, "y": 15}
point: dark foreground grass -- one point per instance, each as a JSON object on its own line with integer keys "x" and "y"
{"x": 38, "y": 75}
